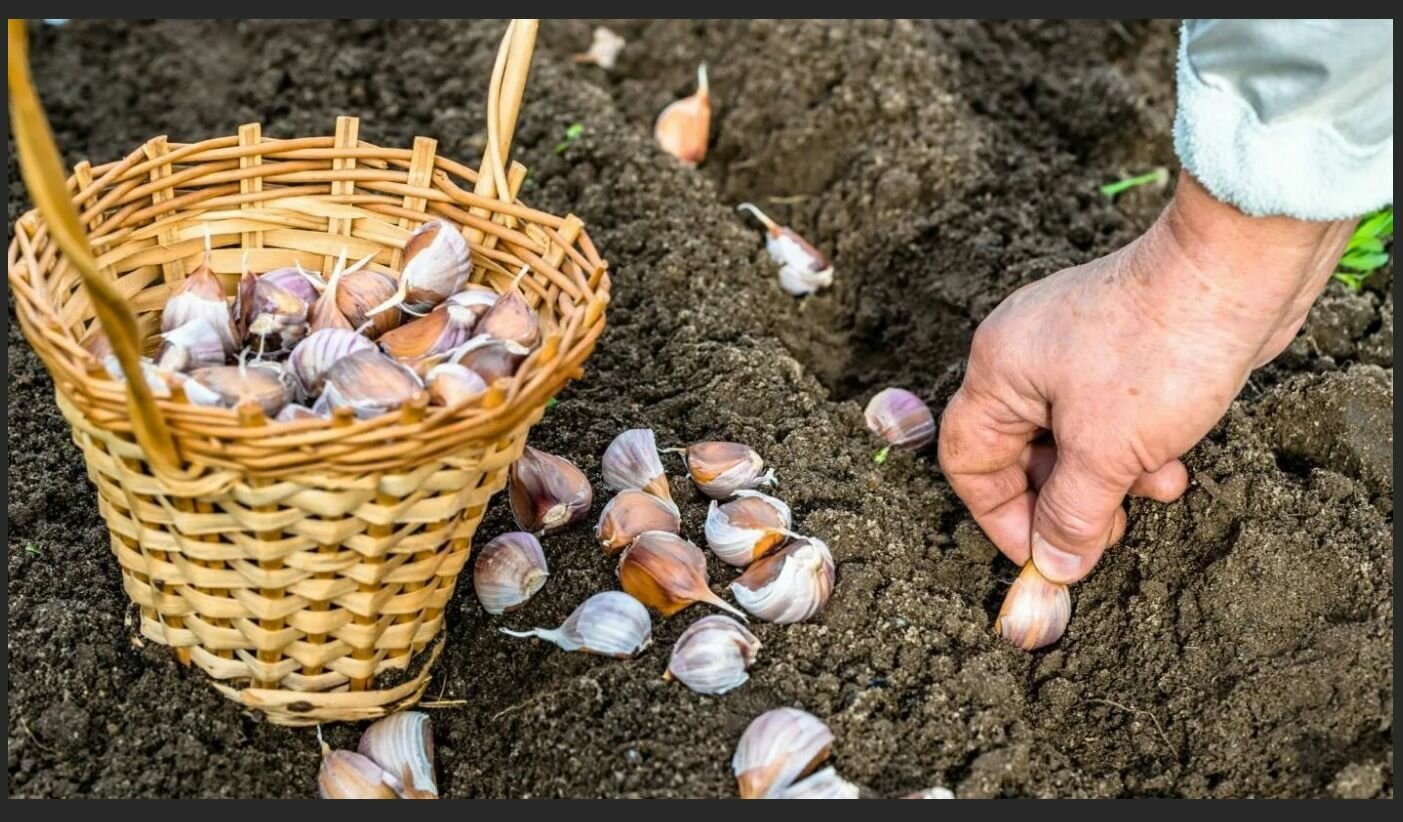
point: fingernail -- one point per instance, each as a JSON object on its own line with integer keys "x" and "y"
{"x": 1054, "y": 563}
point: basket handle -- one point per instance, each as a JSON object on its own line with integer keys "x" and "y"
{"x": 43, "y": 175}
{"x": 504, "y": 104}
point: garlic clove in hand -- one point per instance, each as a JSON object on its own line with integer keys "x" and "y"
{"x": 788, "y": 586}
{"x": 547, "y": 492}
{"x": 684, "y": 126}
{"x": 720, "y": 469}
{"x": 713, "y": 655}
{"x": 803, "y": 269}
{"x": 1035, "y": 611}
{"x": 437, "y": 263}
{"x": 631, "y": 513}
{"x": 369, "y": 383}
{"x": 402, "y": 744}
{"x": 667, "y": 573}
{"x": 348, "y": 775}
{"x": 777, "y": 748}
{"x": 509, "y": 570}
{"x": 610, "y": 623}
{"x": 747, "y": 528}
{"x": 901, "y": 418}
{"x": 631, "y": 461}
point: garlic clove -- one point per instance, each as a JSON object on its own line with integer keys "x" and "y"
{"x": 369, "y": 383}
{"x": 347, "y": 775}
{"x": 667, "y": 573}
{"x": 271, "y": 309}
{"x": 788, "y": 586}
{"x": 631, "y": 513}
{"x": 720, "y": 469}
{"x": 451, "y": 384}
{"x": 492, "y": 359}
{"x": 610, "y": 623}
{"x": 158, "y": 379}
{"x": 433, "y": 334}
{"x": 777, "y": 748}
{"x": 402, "y": 744}
{"x": 196, "y": 344}
{"x": 931, "y": 793}
{"x": 604, "y": 49}
{"x": 325, "y": 313}
{"x": 824, "y": 784}
{"x": 266, "y": 383}
{"x": 293, "y": 412}
{"x": 803, "y": 269}
{"x": 509, "y": 570}
{"x": 200, "y": 297}
{"x": 901, "y": 418}
{"x": 1035, "y": 611}
{"x": 302, "y": 284}
{"x": 747, "y": 528}
{"x": 683, "y": 127}
{"x": 437, "y": 262}
{"x": 712, "y": 655}
{"x": 510, "y": 318}
{"x": 312, "y": 357}
{"x": 547, "y": 492}
{"x": 473, "y": 301}
{"x": 358, "y": 293}
{"x": 631, "y": 461}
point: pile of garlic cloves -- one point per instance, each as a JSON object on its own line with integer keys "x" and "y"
{"x": 395, "y": 760}
{"x": 298, "y": 346}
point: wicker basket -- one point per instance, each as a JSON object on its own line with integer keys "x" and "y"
{"x": 295, "y": 563}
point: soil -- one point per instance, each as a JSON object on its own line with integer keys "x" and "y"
{"x": 1238, "y": 643}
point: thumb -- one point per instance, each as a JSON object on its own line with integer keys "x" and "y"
{"x": 1076, "y": 517}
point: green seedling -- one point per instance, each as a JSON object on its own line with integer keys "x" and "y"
{"x": 881, "y": 456}
{"x": 31, "y": 548}
{"x": 571, "y": 135}
{"x": 552, "y": 402}
{"x": 1159, "y": 176}
{"x": 1366, "y": 252}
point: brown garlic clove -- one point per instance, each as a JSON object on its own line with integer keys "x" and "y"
{"x": 747, "y": 528}
{"x": 437, "y": 263}
{"x": 369, "y": 383}
{"x": 361, "y": 291}
{"x": 509, "y": 570}
{"x": 631, "y": 461}
{"x": 788, "y": 586}
{"x": 402, "y": 744}
{"x": 272, "y": 309}
{"x": 720, "y": 469}
{"x": 1035, "y": 611}
{"x": 802, "y": 268}
{"x": 633, "y": 512}
{"x": 492, "y": 359}
{"x": 266, "y": 383}
{"x": 547, "y": 492}
{"x": 348, "y": 775}
{"x": 604, "y": 49}
{"x": 475, "y": 300}
{"x": 434, "y": 334}
{"x": 667, "y": 573}
{"x": 510, "y": 318}
{"x": 325, "y": 313}
{"x": 777, "y": 748}
{"x": 684, "y": 126}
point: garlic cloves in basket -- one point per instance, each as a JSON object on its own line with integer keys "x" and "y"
{"x": 321, "y": 349}
{"x": 436, "y": 264}
{"x": 196, "y": 344}
{"x": 200, "y": 297}
{"x": 610, "y": 623}
{"x": 369, "y": 383}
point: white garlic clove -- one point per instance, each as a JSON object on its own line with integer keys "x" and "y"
{"x": 509, "y": 570}
{"x": 293, "y": 412}
{"x": 369, "y": 383}
{"x": 713, "y": 655}
{"x": 347, "y": 775}
{"x": 631, "y": 513}
{"x": 547, "y": 492}
{"x": 402, "y": 744}
{"x": 200, "y": 297}
{"x": 720, "y": 469}
{"x": 604, "y": 49}
{"x": 747, "y": 528}
{"x": 610, "y": 623}
{"x": 451, "y": 384}
{"x": 788, "y": 586}
{"x": 196, "y": 344}
{"x": 491, "y": 358}
{"x": 777, "y": 748}
{"x": 320, "y": 350}
{"x": 824, "y": 784}
{"x": 266, "y": 383}
{"x": 472, "y": 302}
{"x": 803, "y": 269}
{"x": 631, "y": 462}
{"x": 901, "y": 418}
{"x": 302, "y": 284}
{"x": 436, "y": 264}
{"x": 684, "y": 126}
{"x": 667, "y": 573}
{"x": 931, "y": 793}
{"x": 1035, "y": 611}
{"x": 158, "y": 379}
{"x": 511, "y": 319}
{"x": 271, "y": 310}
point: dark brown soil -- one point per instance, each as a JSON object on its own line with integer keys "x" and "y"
{"x": 1239, "y": 642}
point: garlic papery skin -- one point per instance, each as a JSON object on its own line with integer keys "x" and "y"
{"x": 266, "y": 383}
{"x": 631, "y": 461}
{"x": 547, "y": 492}
{"x": 200, "y": 297}
{"x": 509, "y": 570}
{"x": 667, "y": 573}
{"x": 720, "y": 469}
{"x": 369, "y": 383}
{"x": 777, "y": 748}
{"x": 451, "y": 384}
{"x": 684, "y": 126}
{"x": 196, "y": 344}
{"x": 604, "y": 49}
{"x": 475, "y": 300}
{"x": 402, "y": 744}
{"x": 360, "y": 292}
{"x": 511, "y": 319}
{"x": 788, "y": 586}
{"x": 713, "y": 655}
{"x": 437, "y": 263}
{"x": 901, "y": 418}
{"x": 824, "y": 784}
{"x": 610, "y": 623}
{"x": 747, "y": 528}
{"x": 803, "y": 269}
{"x": 631, "y": 513}
{"x": 348, "y": 775}
{"x": 320, "y": 350}
{"x": 1035, "y": 611}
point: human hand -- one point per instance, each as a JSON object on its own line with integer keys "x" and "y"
{"x": 1127, "y": 362}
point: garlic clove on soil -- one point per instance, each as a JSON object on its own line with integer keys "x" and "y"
{"x": 402, "y": 744}
{"x": 631, "y": 462}
{"x": 610, "y": 623}
{"x": 931, "y": 793}
{"x": 437, "y": 263}
{"x": 747, "y": 528}
{"x": 777, "y": 748}
{"x": 1035, "y": 611}
{"x": 684, "y": 126}
{"x": 196, "y": 344}
{"x": 720, "y": 469}
{"x": 631, "y": 513}
{"x": 321, "y": 349}
{"x": 901, "y": 418}
{"x": 509, "y": 570}
{"x": 788, "y": 586}
{"x": 713, "y": 655}
{"x": 824, "y": 784}
{"x": 547, "y": 492}
{"x": 604, "y": 49}
{"x": 348, "y": 775}
{"x": 369, "y": 383}
{"x": 451, "y": 384}
{"x": 667, "y": 573}
{"x": 803, "y": 269}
